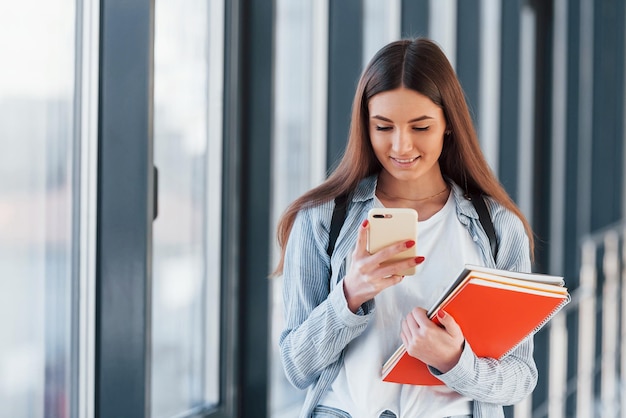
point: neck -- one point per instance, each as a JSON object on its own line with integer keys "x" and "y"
{"x": 425, "y": 200}
{"x": 421, "y": 199}
{"x": 415, "y": 192}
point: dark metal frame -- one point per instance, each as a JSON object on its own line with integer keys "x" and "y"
{"x": 509, "y": 96}
{"x": 229, "y": 338}
{"x": 254, "y": 96}
{"x": 414, "y": 18}
{"x": 468, "y": 52}
{"x": 125, "y": 209}
{"x": 345, "y": 58}
{"x": 608, "y": 114}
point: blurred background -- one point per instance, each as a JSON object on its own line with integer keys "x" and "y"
{"x": 148, "y": 148}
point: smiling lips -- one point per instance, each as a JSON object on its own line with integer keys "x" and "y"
{"x": 405, "y": 161}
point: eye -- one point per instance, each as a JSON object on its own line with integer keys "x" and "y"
{"x": 420, "y": 128}
{"x": 383, "y": 128}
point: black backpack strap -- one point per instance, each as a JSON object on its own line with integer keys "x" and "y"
{"x": 339, "y": 216}
{"x": 336, "y": 222}
{"x": 485, "y": 220}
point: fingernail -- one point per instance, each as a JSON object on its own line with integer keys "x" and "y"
{"x": 409, "y": 243}
{"x": 420, "y": 259}
{"x": 365, "y": 223}
{"x": 441, "y": 314}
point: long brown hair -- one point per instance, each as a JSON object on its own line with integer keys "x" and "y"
{"x": 419, "y": 65}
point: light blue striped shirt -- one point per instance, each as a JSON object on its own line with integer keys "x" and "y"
{"x": 319, "y": 325}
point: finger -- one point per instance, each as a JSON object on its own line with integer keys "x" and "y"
{"x": 395, "y": 279}
{"x": 361, "y": 240}
{"x": 412, "y": 325}
{"x": 404, "y": 333}
{"x": 448, "y": 322}
{"x": 408, "y": 330}
{"x": 400, "y": 266}
{"x": 391, "y": 250}
{"x": 420, "y": 316}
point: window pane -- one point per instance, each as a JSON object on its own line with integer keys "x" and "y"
{"x": 299, "y": 159}
{"x": 187, "y": 153}
{"x": 37, "y": 200}
{"x": 381, "y": 25}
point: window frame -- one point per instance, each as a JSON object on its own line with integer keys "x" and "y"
{"x": 126, "y": 202}
{"x": 125, "y": 209}
{"x": 86, "y": 146}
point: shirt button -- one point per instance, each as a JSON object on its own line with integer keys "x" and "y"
{"x": 475, "y": 238}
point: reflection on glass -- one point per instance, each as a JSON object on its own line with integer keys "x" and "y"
{"x": 37, "y": 197}
{"x": 185, "y": 294}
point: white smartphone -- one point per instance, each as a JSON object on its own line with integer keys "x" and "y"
{"x": 390, "y": 225}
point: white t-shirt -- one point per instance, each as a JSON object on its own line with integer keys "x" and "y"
{"x": 359, "y": 388}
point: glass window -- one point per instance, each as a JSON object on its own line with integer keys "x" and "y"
{"x": 381, "y": 25}
{"x": 186, "y": 234}
{"x": 299, "y": 144}
{"x": 39, "y": 197}
{"x": 442, "y": 26}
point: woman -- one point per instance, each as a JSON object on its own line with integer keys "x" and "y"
{"x": 412, "y": 144}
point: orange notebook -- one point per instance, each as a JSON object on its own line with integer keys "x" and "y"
{"x": 496, "y": 309}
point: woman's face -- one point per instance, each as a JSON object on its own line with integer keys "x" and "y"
{"x": 407, "y": 133}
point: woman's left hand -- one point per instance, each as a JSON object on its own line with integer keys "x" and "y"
{"x": 439, "y": 346}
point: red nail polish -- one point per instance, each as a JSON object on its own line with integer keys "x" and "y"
{"x": 365, "y": 223}
{"x": 409, "y": 243}
{"x": 420, "y": 259}
{"x": 441, "y": 314}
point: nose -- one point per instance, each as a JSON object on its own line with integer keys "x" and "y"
{"x": 401, "y": 142}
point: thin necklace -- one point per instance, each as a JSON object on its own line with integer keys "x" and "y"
{"x": 413, "y": 200}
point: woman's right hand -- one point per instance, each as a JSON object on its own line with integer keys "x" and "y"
{"x": 366, "y": 277}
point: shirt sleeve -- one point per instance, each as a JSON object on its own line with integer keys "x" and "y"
{"x": 503, "y": 382}
{"x": 318, "y": 323}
